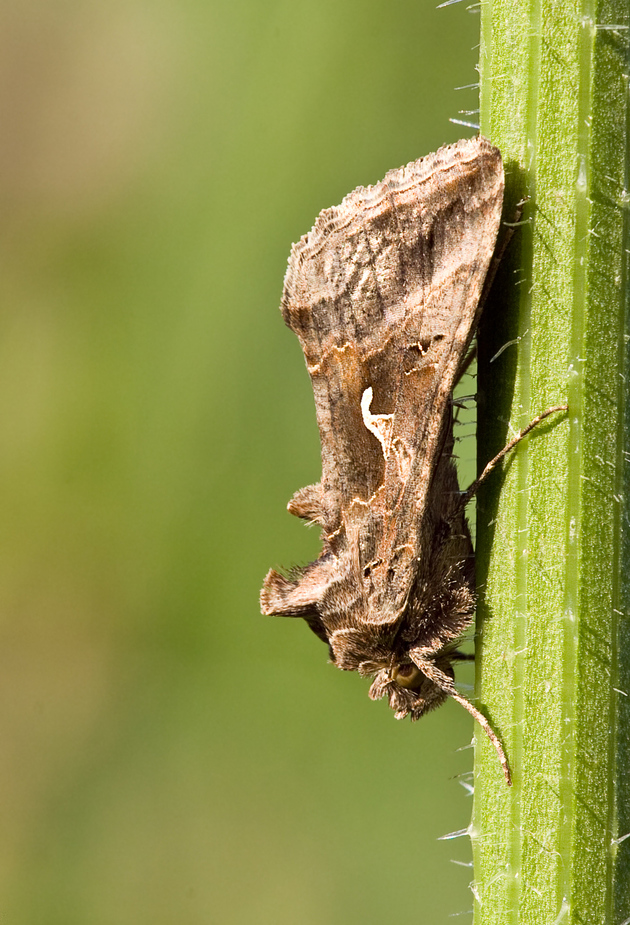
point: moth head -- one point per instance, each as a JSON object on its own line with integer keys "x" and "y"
{"x": 413, "y": 692}
{"x": 416, "y": 682}
{"x": 409, "y": 691}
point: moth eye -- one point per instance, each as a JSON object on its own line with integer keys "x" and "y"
{"x": 406, "y": 675}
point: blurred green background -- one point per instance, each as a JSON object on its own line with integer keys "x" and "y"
{"x": 167, "y": 754}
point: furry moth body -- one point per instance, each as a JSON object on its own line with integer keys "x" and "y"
{"x": 384, "y": 294}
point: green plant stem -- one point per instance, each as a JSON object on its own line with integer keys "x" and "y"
{"x": 554, "y": 548}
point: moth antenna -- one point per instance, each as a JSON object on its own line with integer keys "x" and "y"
{"x": 472, "y": 490}
{"x": 442, "y": 680}
{"x": 487, "y": 728}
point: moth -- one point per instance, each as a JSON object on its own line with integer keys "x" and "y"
{"x": 384, "y": 294}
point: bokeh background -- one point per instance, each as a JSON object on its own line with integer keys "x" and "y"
{"x": 168, "y": 755}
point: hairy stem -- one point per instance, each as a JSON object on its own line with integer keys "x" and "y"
{"x": 554, "y": 548}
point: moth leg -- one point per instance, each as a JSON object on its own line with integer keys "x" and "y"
{"x": 495, "y": 263}
{"x": 428, "y": 667}
{"x": 466, "y": 363}
{"x": 472, "y": 489}
{"x": 502, "y": 245}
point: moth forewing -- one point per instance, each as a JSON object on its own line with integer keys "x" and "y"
{"x": 384, "y": 295}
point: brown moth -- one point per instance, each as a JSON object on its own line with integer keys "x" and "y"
{"x": 384, "y": 294}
